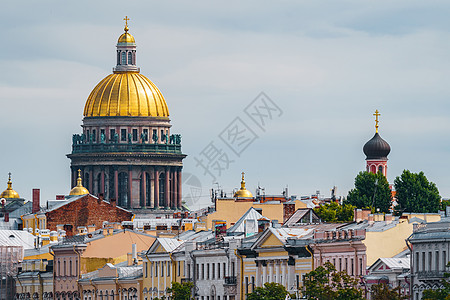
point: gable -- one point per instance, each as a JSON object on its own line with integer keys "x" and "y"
{"x": 160, "y": 249}
{"x": 270, "y": 242}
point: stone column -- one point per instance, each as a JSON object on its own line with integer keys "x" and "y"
{"x": 102, "y": 182}
{"x": 144, "y": 188}
{"x": 175, "y": 189}
{"x": 131, "y": 203}
{"x": 116, "y": 185}
{"x": 91, "y": 181}
{"x": 167, "y": 189}
{"x": 264, "y": 274}
{"x": 156, "y": 188}
{"x": 179, "y": 188}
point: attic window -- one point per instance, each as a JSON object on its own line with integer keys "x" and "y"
{"x": 12, "y": 236}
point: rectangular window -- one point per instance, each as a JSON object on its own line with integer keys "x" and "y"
{"x": 88, "y": 136}
{"x": 207, "y": 271}
{"x": 188, "y": 269}
{"x": 345, "y": 264}
{"x": 253, "y": 284}
{"x": 146, "y": 134}
{"x": 197, "y": 273}
{"x": 430, "y": 256}
{"x": 203, "y": 271}
{"x": 162, "y": 269}
{"x": 135, "y": 134}
{"x": 232, "y": 269}
{"x": 156, "y": 269}
{"x": 70, "y": 267}
{"x": 213, "y": 270}
{"x": 218, "y": 270}
{"x": 168, "y": 268}
{"x": 297, "y": 281}
{"x": 151, "y": 269}
{"x": 444, "y": 260}
{"x": 416, "y": 265}
{"x": 224, "y": 270}
{"x": 179, "y": 268}
{"x": 123, "y": 135}
{"x": 162, "y": 135}
{"x": 436, "y": 259}
{"x": 340, "y": 264}
{"x": 246, "y": 284}
{"x": 334, "y": 262}
{"x": 423, "y": 261}
{"x": 112, "y": 133}
{"x": 353, "y": 267}
{"x": 65, "y": 268}
{"x": 361, "y": 271}
{"x": 94, "y": 135}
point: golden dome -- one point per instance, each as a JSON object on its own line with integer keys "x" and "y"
{"x": 243, "y": 192}
{"x": 126, "y": 38}
{"x": 9, "y": 192}
{"x": 126, "y": 94}
{"x": 79, "y": 189}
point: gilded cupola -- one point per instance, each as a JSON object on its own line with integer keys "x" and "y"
{"x": 126, "y": 92}
{"x": 79, "y": 189}
{"x": 9, "y": 192}
{"x": 243, "y": 192}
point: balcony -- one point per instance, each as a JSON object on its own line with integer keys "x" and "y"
{"x": 230, "y": 280}
{"x": 126, "y": 147}
{"x": 430, "y": 275}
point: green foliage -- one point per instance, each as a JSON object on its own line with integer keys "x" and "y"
{"x": 371, "y": 191}
{"x": 334, "y": 212}
{"x": 270, "y": 291}
{"x": 444, "y": 204}
{"x": 382, "y": 292}
{"x": 416, "y": 194}
{"x": 325, "y": 283}
{"x": 181, "y": 291}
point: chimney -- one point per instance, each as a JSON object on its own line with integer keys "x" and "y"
{"x": 134, "y": 254}
{"x": 371, "y": 218}
{"x": 112, "y": 201}
{"x": 36, "y": 201}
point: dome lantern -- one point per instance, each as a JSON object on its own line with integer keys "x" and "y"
{"x": 126, "y": 51}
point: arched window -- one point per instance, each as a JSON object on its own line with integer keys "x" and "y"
{"x": 130, "y": 58}
{"x": 380, "y": 169}
{"x": 124, "y": 58}
{"x": 118, "y": 57}
{"x": 112, "y": 186}
{"x": 373, "y": 169}
{"x": 162, "y": 189}
{"x": 123, "y": 190}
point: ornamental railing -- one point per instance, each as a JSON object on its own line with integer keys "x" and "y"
{"x": 129, "y": 147}
{"x": 230, "y": 280}
{"x": 430, "y": 275}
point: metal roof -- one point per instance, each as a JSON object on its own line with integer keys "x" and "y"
{"x": 251, "y": 214}
{"x": 17, "y": 238}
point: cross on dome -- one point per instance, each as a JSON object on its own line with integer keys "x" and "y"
{"x": 126, "y": 19}
{"x": 376, "y": 114}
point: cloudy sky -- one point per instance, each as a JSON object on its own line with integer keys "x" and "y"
{"x": 326, "y": 65}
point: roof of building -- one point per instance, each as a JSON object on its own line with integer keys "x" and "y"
{"x": 17, "y": 238}
{"x": 392, "y": 263}
{"x": 170, "y": 244}
{"x": 299, "y": 214}
{"x": 376, "y": 148}
{"x": 250, "y": 214}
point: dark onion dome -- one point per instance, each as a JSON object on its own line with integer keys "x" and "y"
{"x": 376, "y": 148}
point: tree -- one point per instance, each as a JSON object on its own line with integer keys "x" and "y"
{"x": 181, "y": 291}
{"x": 416, "y": 194}
{"x": 371, "y": 191}
{"x": 382, "y": 291}
{"x": 334, "y": 212}
{"x": 270, "y": 291}
{"x": 326, "y": 283}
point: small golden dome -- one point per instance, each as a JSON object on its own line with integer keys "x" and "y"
{"x": 79, "y": 189}
{"x": 243, "y": 192}
{"x": 9, "y": 192}
{"x": 126, "y": 94}
{"x": 126, "y": 37}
